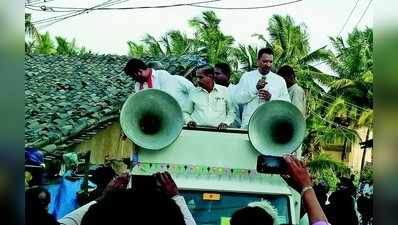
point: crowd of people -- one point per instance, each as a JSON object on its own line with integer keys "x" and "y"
{"x": 211, "y": 100}
{"x": 125, "y": 202}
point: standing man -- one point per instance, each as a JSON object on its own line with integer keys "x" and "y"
{"x": 259, "y": 86}
{"x": 222, "y": 75}
{"x": 297, "y": 93}
{"x": 146, "y": 77}
{"x": 208, "y": 103}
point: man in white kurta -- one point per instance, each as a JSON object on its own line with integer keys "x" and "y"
{"x": 259, "y": 86}
{"x": 146, "y": 77}
{"x": 208, "y": 104}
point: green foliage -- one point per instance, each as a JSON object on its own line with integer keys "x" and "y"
{"x": 367, "y": 173}
{"x": 36, "y": 43}
{"x": 45, "y": 45}
{"x": 349, "y": 103}
{"x": 329, "y": 177}
{"x": 324, "y": 161}
{"x": 246, "y": 56}
{"x": 210, "y": 40}
{"x": 136, "y": 50}
{"x": 353, "y": 62}
{"x": 324, "y": 168}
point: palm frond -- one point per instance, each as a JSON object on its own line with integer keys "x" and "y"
{"x": 324, "y": 161}
{"x": 341, "y": 84}
{"x": 338, "y": 108}
{"x": 320, "y": 54}
{"x": 366, "y": 119}
{"x": 367, "y": 77}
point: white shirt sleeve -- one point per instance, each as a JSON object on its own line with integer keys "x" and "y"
{"x": 161, "y": 79}
{"x": 185, "y": 84}
{"x": 283, "y": 93}
{"x": 187, "y": 109}
{"x": 75, "y": 217}
{"x": 188, "y": 218}
{"x": 230, "y": 110}
{"x": 244, "y": 93}
{"x": 298, "y": 99}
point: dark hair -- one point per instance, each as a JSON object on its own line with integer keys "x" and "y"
{"x": 341, "y": 208}
{"x": 32, "y": 197}
{"x": 264, "y": 51}
{"x": 224, "y": 67}
{"x": 148, "y": 208}
{"x": 35, "y": 207}
{"x": 252, "y": 216}
{"x": 286, "y": 71}
{"x": 206, "y": 69}
{"x": 133, "y": 66}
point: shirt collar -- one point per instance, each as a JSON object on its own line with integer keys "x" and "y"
{"x": 293, "y": 86}
{"x": 215, "y": 88}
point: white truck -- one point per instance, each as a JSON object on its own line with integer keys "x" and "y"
{"x": 214, "y": 170}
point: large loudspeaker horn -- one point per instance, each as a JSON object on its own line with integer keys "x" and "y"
{"x": 152, "y": 119}
{"x": 276, "y": 128}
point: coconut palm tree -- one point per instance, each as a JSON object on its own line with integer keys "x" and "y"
{"x": 353, "y": 63}
{"x": 210, "y": 41}
{"x": 176, "y": 43}
{"x": 246, "y": 56}
{"x": 135, "y": 49}
{"x": 67, "y": 48}
{"x": 45, "y": 45}
{"x": 348, "y": 105}
{"x": 32, "y": 35}
{"x": 173, "y": 43}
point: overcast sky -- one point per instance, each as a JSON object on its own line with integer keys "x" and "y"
{"x": 108, "y": 31}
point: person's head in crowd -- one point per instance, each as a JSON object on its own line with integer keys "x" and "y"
{"x": 137, "y": 70}
{"x": 265, "y": 57}
{"x": 130, "y": 207}
{"x": 342, "y": 209}
{"x": 255, "y": 214}
{"x": 222, "y": 74}
{"x": 321, "y": 191}
{"x": 38, "y": 197}
{"x": 288, "y": 75}
{"x": 205, "y": 77}
{"x": 347, "y": 185}
{"x": 37, "y": 200}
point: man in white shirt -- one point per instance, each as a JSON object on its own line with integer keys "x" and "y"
{"x": 297, "y": 93}
{"x": 208, "y": 103}
{"x": 146, "y": 77}
{"x": 222, "y": 75}
{"x": 259, "y": 86}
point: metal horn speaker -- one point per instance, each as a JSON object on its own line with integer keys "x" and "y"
{"x": 152, "y": 119}
{"x": 276, "y": 128}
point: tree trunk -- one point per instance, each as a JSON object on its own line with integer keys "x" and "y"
{"x": 343, "y": 155}
{"x": 364, "y": 150}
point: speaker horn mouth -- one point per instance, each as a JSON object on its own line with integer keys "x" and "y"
{"x": 150, "y": 123}
{"x": 276, "y": 128}
{"x": 282, "y": 132}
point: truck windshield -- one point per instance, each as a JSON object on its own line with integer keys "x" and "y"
{"x": 211, "y": 208}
